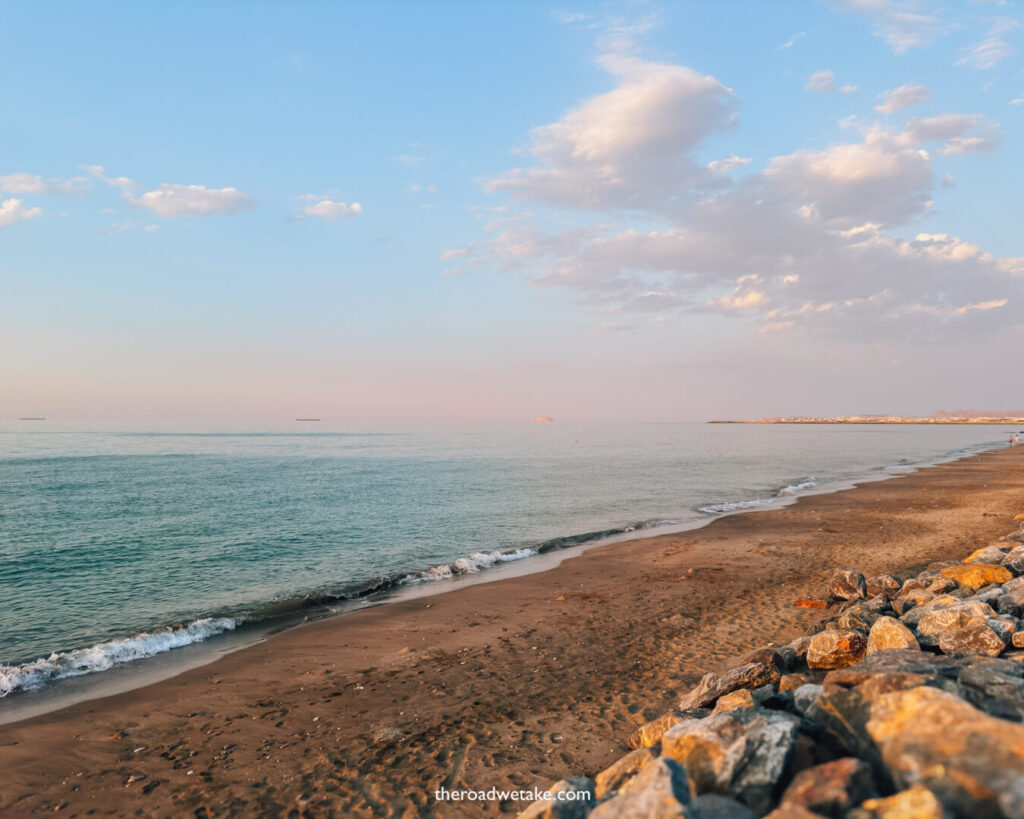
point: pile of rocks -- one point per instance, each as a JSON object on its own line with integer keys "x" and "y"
{"x": 905, "y": 701}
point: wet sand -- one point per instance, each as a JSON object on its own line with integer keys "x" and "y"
{"x": 508, "y": 684}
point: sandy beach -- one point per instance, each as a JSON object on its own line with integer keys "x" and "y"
{"x": 515, "y": 683}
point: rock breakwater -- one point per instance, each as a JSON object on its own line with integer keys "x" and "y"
{"x": 905, "y": 701}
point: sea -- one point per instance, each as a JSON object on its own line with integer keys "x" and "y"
{"x": 124, "y": 542}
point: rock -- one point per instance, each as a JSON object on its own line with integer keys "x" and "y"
{"x": 661, "y": 774}
{"x": 791, "y": 682}
{"x": 578, "y": 799}
{"x": 713, "y": 686}
{"x": 832, "y": 788}
{"x": 1015, "y": 565}
{"x": 889, "y": 633}
{"x": 857, "y": 615}
{"x": 989, "y": 554}
{"x": 792, "y": 812}
{"x": 836, "y": 649}
{"x": 908, "y": 599}
{"x": 882, "y": 584}
{"x": 978, "y": 636}
{"x": 612, "y": 777}
{"x": 805, "y": 696}
{"x": 1018, "y": 639}
{"x": 994, "y": 686}
{"x": 1009, "y": 602}
{"x": 770, "y": 657}
{"x": 650, "y": 734}
{"x": 810, "y": 603}
{"x": 847, "y": 584}
{"x": 646, "y": 805}
{"x": 916, "y": 802}
{"x": 942, "y": 585}
{"x": 715, "y": 806}
{"x": 799, "y": 647}
{"x": 977, "y": 575}
{"x": 742, "y": 754}
{"x": 737, "y": 699}
{"x": 937, "y": 619}
{"x": 972, "y": 762}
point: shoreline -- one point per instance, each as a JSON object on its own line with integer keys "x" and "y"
{"x": 513, "y": 682}
{"x": 65, "y": 691}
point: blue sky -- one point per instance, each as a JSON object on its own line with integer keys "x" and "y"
{"x": 498, "y": 210}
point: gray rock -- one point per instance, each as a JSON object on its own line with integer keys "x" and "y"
{"x": 858, "y": 615}
{"x": 716, "y": 806}
{"x": 742, "y": 754}
{"x": 644, "y": 805}
{"x": 805, "y": 696}
{"x": 947, "y": 619}
{"x": 712, "y": 686}
{"x": 996, "y": 687}
{"x": 883, "y": 584}
{"x": 847, "y": 584}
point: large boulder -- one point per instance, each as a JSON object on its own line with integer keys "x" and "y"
{"x": 977, "y": 575}
{"x": 994, "y": 686}
{"x": 847, "y": 584}
{"x": 661, "y": 774}
{"x": 858, "y": 615}
{"x": 836, "y": 648}
{"x": 948, "y": 618}
{"x": 972, "y": 762}
{"x": 741, "y": 754}
{"x": 889, "y": 633}
{"x": 979, "y": 635}
{"x": 831, "y": 788}
{"x": 712, "y": 686}
{"x": 613, "y": 777}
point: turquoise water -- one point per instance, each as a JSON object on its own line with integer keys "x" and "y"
{"x": 115, "y": 532}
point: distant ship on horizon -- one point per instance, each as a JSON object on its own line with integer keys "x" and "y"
{"x": 32, "y": 418}
{"x": 307, "y": 419}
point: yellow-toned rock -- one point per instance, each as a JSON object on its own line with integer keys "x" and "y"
{"x": 972, "y": 761}
{"x": 737, "y": 699}
{"x": 978, "y": 575}
{"x": 1019, "y": 517}
{"x": 916, "y": 802}
{"x": 890, "y": 633}
{"x": 836, "y": 649}
{"x": 613, "y": 777}
{"x": 647, "y": 735}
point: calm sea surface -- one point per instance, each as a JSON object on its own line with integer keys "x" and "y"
{"x": 108, "y": 536}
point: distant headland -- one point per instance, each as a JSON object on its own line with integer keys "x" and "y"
{"x": 1014, "y": 417}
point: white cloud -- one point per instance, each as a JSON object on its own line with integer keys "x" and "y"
{"x": 631, "y": 147}
{"x": 820, "y": 82}
{"x": 330, "y": 210}
{"x": 791, "y": 41}
{"x": 27, "y": 183}
{"x": 730, "y": 163}
{"x": 13, "y": 211}
{"x": 849, "y": 89}
{"x": 903, "y": 24}
{"x": 993, "y": 49}
{"x": 896, "y": 99}
{"x": 169, "y": 201}
{"x": 800, "y": 246}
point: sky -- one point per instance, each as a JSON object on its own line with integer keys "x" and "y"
{"x": 450, "y": 210}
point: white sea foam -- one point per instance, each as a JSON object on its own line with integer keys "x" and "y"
{"x": 738, "y": 506}
{"x": 809, "y": 483}
{"x": 102, "y": 656}
{"x": 468, "y": 565}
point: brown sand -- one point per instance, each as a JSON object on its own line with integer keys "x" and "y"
{"x": 509, "y": 684}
